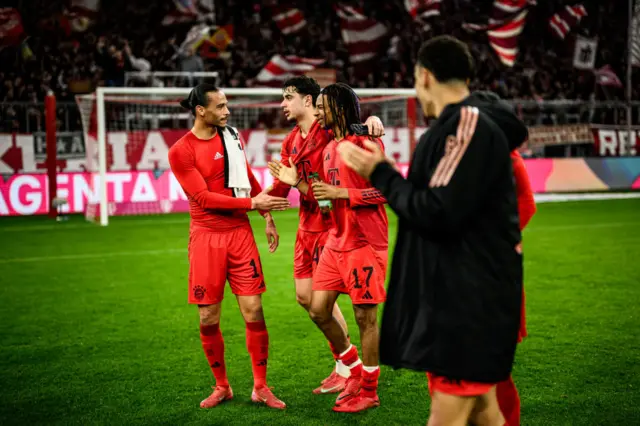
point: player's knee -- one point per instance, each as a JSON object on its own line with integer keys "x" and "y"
{"x": 319, "y": 315}
{"x": 252, "y": 310}
{"x": 209, "y": 314}
{"x": 304, "y": 300}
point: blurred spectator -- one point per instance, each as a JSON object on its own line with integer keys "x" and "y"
{"x": 128, "y": 36}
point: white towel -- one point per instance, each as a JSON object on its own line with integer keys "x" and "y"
{"x": 238, "y": 173}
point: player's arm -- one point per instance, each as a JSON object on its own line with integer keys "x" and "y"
{"x": 363, "y": 194}
{"x": 526, "y": 201}
{"x": 279, "y": 188}
{"x": 256, "y": 189}
{"x": 272, "y": 234}
{"x": 458, "y": 187}
{"x": 183, "y": 166}
{"x": 368, "y": 196}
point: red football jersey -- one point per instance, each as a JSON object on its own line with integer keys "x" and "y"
{"x": 306, "y": 154}
{"x": 198, "y": 165}
{"x": 362, "y": 219}
{"x": 526, "y": 202}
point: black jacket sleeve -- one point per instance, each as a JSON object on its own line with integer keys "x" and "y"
{"x": 445, "y": 209}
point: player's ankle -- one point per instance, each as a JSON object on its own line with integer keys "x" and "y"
{"x": 342, "y": 369}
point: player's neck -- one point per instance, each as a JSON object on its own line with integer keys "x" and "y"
{"x": 305, "y": 123}
{"x": 203, "y": 131}
{"x": 337, "y": 134}
{"x": 451, "y": 94}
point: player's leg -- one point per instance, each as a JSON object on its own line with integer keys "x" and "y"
{"x": 450, "y": 410}
{"x": 327, "y": 285}
{"x": 486, "y": 411}
{"x": 366, "y": 271}
{"x": 207, "y": 277}
{"x": 213, "y": 346}
{"x": 308, "y": 250}
{"x": 247, "y": 283}
{"x": 459, "y": 402}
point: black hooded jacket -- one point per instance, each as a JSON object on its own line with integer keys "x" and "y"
{"x": 453, "y": 304}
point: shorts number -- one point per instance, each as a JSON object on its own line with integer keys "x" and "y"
{"x": 367, "y": 279}
{"x": 316, "y": 253}
{"x": 255, "y": 269}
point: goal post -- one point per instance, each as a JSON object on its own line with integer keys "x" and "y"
{"x": 128, "y": 131}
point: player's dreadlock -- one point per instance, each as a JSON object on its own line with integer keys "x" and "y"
{"x": 344, "y": 106}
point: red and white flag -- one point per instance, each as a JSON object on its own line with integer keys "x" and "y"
{"x": 507, "y": 21}
{"x": 190, "y": 11}
{"x": 11, "y": 29}
{"x": 362, "y": 36}
{"x": 562, "y": 22}
{"x": 422, "y": 9}
{"x": 635, "y": 35}
{"x": 280, "y": 68}
{"x": 605, "y": 76}
{"x": 289, "y": 20}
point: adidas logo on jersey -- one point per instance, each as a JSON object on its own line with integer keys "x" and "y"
{"x": 328, "y": 157}
{"x": 218, "y": 156}
{"x": 295, "y": 150}
{"x": 367, "y": 295}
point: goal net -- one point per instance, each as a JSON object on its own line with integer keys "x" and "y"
{"x": 128, "y": 132}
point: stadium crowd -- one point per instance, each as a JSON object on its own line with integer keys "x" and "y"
{"x": 128, "y": 36}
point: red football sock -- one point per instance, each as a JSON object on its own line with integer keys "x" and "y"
{"x": 350, "y": 359}
{"x": 509, "y": 401}
{"x": 258, "y": 347}
{"x": 369, "y": 382}
{"x": 336, "y": 354}
{"x": 213, "y": 346}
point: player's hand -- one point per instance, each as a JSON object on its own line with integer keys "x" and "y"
{"x": 324, "y": 191}
{"x": 287, "y": 175}
{"x": 374, "y": 126}
{"x": 266, "y": 202}
{"x": 362, "y": 161}
{"x": 272, "y": 234}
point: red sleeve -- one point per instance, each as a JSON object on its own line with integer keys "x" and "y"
{"x": 183, "y": 166}
{"x": 367, "y": 196}
{"x": 279, "y": 189}
{"x": 526, "y": 202}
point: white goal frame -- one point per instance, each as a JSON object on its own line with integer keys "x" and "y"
{"x": 102, "y": 92}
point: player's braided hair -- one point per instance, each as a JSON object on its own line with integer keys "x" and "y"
{"x": 198, "y": 97}
{"x": 344, "y": 106}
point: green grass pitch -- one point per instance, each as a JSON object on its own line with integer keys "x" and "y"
{"x": 95, "y": 328}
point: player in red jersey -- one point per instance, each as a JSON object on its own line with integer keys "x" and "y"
{"x": 301, "y": 156}
{"x": 506, "y": 391}
{"x": 210, "y": 165}
{"x": 355, "y": 257}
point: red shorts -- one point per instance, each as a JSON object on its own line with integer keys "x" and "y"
{"x": 215, "y": 257}
{"x": 456, "y": 387}
{"x": 360, "y": 273}
{"x": 309, "y": 246}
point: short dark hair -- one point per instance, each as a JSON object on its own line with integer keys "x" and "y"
{"x": 448, "y": 58}
{"x": 304, "y": 86}
{"x": 198, "y": 96}
{"x": 344, "y": 106}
